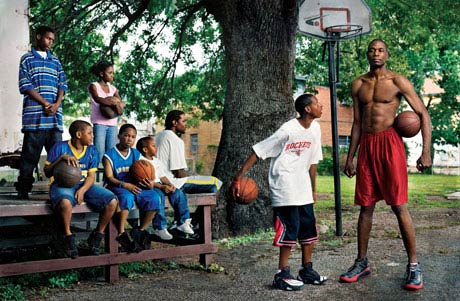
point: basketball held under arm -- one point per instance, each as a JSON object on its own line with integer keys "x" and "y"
{"x": 407, "y": 90}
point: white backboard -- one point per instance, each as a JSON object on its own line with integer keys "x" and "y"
{"x": 348, "y": 18}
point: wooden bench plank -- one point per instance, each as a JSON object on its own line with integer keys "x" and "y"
{"x": 12, "y": 207}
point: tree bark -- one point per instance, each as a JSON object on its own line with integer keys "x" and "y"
{"x": 259, "y": 41}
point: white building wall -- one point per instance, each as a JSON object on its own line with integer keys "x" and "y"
{"x": 14, "y": 30}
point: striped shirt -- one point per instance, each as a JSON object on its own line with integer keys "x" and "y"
{"x": 46, "y": 76}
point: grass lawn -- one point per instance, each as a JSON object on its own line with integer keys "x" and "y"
{"x": 425, "y": 191}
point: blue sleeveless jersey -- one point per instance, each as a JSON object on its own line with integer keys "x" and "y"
{"x": 121, "y": 164}
{"x": 87, "y": 159}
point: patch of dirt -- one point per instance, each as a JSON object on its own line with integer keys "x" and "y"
{"x": 249, "y": 269}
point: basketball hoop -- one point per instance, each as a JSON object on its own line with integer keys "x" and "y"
{"x": 343, "y": 32}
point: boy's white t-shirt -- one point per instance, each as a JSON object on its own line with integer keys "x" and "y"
{"x": 293, "y": 150}
{"x": 158, "y": 166}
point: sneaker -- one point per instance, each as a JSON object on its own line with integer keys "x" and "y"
{"x": 414, "y": 279}
{"x": 285, "y": 281}
{"x": 94, "y": 242}
{"x": 163, "y": 234}
{"x": 359, "y": 269}
{"x": 70, "y": 247}
{"x": 309, "y": 276}
{"x": 126, "y": 243}
{"x": 140, "y": 238}
{"x": 186, "y": 227}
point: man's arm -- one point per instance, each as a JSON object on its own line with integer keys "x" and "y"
{"x": 37, "y": 97}
{"x": 180, "y": 173}
{"x": 355, "y": 130}
{"x": 407, "y": 90}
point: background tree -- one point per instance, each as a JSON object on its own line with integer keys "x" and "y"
{"x": 246, "y": 70}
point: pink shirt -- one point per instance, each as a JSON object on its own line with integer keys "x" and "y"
{"x": 96, "y": 116}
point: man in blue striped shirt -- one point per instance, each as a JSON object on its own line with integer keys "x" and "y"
{"x": 43, "y": 83}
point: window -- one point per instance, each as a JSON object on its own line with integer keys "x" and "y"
{"x": 344, "y": 141}
{"x": 194, "y": 144}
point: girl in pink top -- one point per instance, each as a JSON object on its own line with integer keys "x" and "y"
{"x": 103, "y": 93}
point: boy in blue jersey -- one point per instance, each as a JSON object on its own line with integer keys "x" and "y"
{"x": 117, "y": 162}
{"x": 79, "y": 152}
{"x": 42, "y": 81}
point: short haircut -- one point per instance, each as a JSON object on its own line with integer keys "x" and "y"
{"x": 125, "y": 127}
{"x": 41, "y": 30}
{"x": 173, "y": 115}
{"x": 141, "y": 143}
{"x": 78, "y": 126}
{"x": 302, "y": 101}
{"x": 378, "y": 40}
{"x": 100, "y": 67}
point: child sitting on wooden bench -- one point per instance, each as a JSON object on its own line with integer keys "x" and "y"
{"x": 79, "y": 152}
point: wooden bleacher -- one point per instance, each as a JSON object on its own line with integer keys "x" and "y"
{"x": 22, "y": 212}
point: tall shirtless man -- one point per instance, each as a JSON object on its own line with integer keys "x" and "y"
{"x": 381, "y": 170}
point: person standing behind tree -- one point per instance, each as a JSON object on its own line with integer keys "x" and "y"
{"x": 43, "y": 83}
{"x": 381, "y": 172}
{"x": 102, "y": 92}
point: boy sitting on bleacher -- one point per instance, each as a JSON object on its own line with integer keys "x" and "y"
{"x": 78, "y": 151}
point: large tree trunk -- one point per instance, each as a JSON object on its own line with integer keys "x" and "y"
{"x": 259, "y": 40}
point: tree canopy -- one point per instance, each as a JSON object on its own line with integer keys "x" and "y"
{"x": 149, "y": 39}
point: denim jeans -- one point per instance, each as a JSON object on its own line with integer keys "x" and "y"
{"x": 178, "y": 201}
{"x": 105, "y": 137}
{"x": 32, "y": 147}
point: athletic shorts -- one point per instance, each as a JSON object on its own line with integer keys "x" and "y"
{"x": 381, "y": 172}
{"x": 147, "y": 200}
{"x": 96, "y": 197}
{"x": 294, "y": 223}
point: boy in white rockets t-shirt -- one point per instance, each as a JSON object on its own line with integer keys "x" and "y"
{"x": 294, "y": 149}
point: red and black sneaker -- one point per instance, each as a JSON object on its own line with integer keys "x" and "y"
{"x": 359, "y": 269}
{"x": 414, "y": 277}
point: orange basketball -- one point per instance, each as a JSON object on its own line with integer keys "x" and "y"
{"x": 407, "y": 124}
{"x": 141, "y": 170}
{"x": 248, "y": 191}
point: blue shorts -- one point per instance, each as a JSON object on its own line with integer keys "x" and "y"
{"x": 147, "y": 200}
{"x": 294, "y": 223}
{"x": 96, "y": 197}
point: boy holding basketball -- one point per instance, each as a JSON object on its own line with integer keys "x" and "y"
{"x": 381, "y": 172}
{"x": 294, "y": 149}
{"x": 79, "y": 151}
{"x": 177, "y": 197}
{"x": 117, "y": 162}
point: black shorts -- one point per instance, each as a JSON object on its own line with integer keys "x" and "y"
{"x": 294, "y": 223}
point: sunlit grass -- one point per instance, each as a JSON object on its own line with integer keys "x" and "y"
{"x": 425, "y": 191}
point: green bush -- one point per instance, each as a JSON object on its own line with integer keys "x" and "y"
{"x": 11, "y": 292}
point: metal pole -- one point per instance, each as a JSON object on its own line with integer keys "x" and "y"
{"x": 335, "y": 138}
